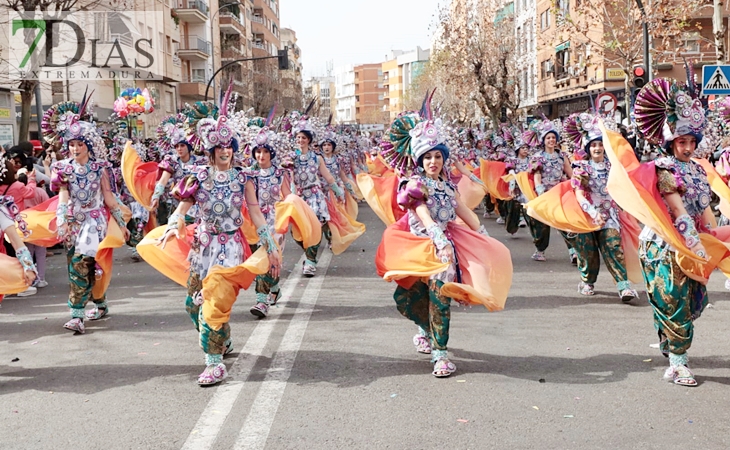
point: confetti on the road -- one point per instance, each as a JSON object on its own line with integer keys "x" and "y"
{"x": 156, "y": 343}
{"x": 393, "y": 395}
{"x": 162, "y": 323}
{"x": 86, "y": 401}
{"x": 141, "y": 353}
{"x": 461, "y": 381}
{"x": 15, "y": 411}
{"x": 34, "y": 343}
{"x": 647, "y": 360}
{"x": 654, "y": 345}
{"x": 567, "y": 348}
{"x": 50, "y": 392}
{"x": 462, "y": 420}
{"x": 536, "y": 408}
{"x": 568, "y": 416}
{"x": 15, "y": 360}
{"x": 577, "y": 398}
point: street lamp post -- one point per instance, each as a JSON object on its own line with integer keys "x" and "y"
{"x": 212, "y": 55}
{"x": 645, "y": 30}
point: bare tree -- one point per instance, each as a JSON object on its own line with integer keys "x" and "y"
{"x": 477, "y": 54}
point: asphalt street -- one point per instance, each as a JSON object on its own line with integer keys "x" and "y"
{"x": 333, "y": 367}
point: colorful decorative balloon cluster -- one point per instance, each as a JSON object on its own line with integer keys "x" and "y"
{"x": 134, "y": 101}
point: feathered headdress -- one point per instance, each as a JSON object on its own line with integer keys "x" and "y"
{"x": 582, "y": 129}
{"x": 170, "y": 132}
{"x": 63, "y": 123}
{"x": 411, "y": 135}
{"x": 665, "y": 110}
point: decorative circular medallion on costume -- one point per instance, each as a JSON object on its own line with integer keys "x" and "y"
{"x": 80, "y": 217}
{"x": 219, "y": 208}
{"x": 204, "y": 239}
{"x": 82, "y": 195}
{"x": 223, "y": 238}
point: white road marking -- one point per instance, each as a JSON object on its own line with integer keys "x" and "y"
{"x": 256, "y": 428}
{"x": 206, "y": 430}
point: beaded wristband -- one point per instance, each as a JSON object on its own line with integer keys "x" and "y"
{"x": 437, "y": 236}
{"x": 159, "y": 190}
{"x": 586, "y": 206}
{"x": 686, "y": 227}
{"x": 61, "y": 213}
{"x": 266, "y": 240}
{"x": 117, "y": 214}
{"x": 25, "y": 259}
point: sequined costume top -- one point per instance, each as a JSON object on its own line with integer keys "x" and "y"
{"x": 551, "y": 166}
{"x": 87, "y": 215}
{"x": 220, "y": 198}
{"x": 309, "y": 187}
{"x": 441, "y": 204}
{"x": 592, "y": 177}
{"x": 518, "y": 165}
{"x": 268, "y": 191}
{"x": 333, "y": 165}
{"x": 10, "y": 214}
{"x": 689, "y": 180}
{"x": 178, "y": 169}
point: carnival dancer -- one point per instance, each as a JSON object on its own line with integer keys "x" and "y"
{"x": 272, "y": 184}
{"x": 590, "y": 177}
{"x": 308, "y": 166}
{"x": 431, "y": 276}
{"x": 549, "y": 167}
{"x": 520, "y": 162}
{"x": 13, "y": 279}
{"x": 676, "y": 299}
{"x": 84, "y": 200}
{"x": 221, "y": 192}
{"x": 178, "y": 161}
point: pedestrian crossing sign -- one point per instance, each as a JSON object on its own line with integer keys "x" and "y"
{"x": 716, "y": 80}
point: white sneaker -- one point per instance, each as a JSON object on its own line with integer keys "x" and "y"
{"x": 486, "y": 215}
{"x": 28, "y": 292}
{"x": 500, "y": 220}
{"x": 727, "y": 284}
{"x": 308, "y": 270}
{"x": 41, "y": 284}
{"x": 522, "y": 223}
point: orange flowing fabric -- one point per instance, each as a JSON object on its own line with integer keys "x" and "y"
{"x": 633, "y": 187}
{"x": 139, "y": 177}
{"x": 41, "y": 220}
{"x": 630, "y": 230}
{"x": 344, "y": 229}
{"x": 105, "y": 257}
{"x": 356, "y": 189}
{"x": 405, "y": 258}
{"x": 11, "y": 275}
{"x": 717, "y": 184}
{"x": 222, "y": 285}
{"x": 351, "y": 206}
{"x": 378, "y": 167}
{"x": 172, "y": 261}
{"x": 559, "y": 208}
{"x": 380, "y": 194}
{"x": 526, "y": 183}
{"x": 248, "y": 228}
{"x": 491, "y": 174}
{"x": 305, "y": 225}
{"x": 471, "y": 193}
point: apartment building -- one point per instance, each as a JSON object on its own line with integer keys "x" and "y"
{"x": 399, "y": 71}
{"x": 322, "y": 88}
{"x": 571, "y": 73}
{"x": 525, "y": 13}
{"x": 370, "y": 94}
{"x": 265, "y": 77}
{"x": 291, "y": 79}
{"x": 199, "y": 48}
{"x": 345, "y": 95}
{"x": 236, "y": 44}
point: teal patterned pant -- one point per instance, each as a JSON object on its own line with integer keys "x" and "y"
{"x": 424, "y": 305}
{"x": 213, "y": 342}
{"x": 81, "y": 277}
{"x": 311, "y": 252}
{"x": 607, "y": 242}
{"x": 676, "y": 299}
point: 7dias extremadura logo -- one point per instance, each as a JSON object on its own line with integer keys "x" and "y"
{"x": 98, "y": 45}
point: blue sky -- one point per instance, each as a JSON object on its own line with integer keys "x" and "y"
{"x": 357, "y": 31}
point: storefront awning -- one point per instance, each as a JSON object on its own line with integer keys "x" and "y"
{"x": 563, "y": 46}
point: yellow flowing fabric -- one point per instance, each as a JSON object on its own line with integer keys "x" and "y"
{"x": 344, "y": 229}
{"x": 559, "y": 208}
{"x": 41, "y": 220}
{"x": 222, "y": 285}
{"x": 380, "y": 194}
{"x": 718, "y": 186}
{"x": 305, "y": 225}
{"x": 405, "y": 258}
{"x": 11, "y": 275}
{"x": 140, "y": 177}
{"x": 172, "y": 261}
{"x": 630, "y": 230}
{"x": 525, "y": 182}
{"x": 356, "y": 189}
{"x": 633, "y": 187}
{"x": 377, "y": 166}
{"x": 248, "y": 228}
{"x": 105, "y": 257}
{"x": 471, "y": 193}
{"x": 491, "y": 173}
{"x": 351, "y": 206}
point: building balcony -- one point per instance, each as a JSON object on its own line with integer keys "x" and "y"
{"x": 232, "y": 52}
{"x": 194, "y": 48}
{"x": 230, "y": 24}
{"x": 193, "y": 88}
{"x": 192, "y": 11}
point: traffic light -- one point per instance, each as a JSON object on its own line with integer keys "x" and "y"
{"x": 639, "y": 76}
{"x": 283, "y": 57}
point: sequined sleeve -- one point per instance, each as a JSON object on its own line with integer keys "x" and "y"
{"x": 412, "y": 193}
{"x": 580, "y": 175}
{"x": 60, "y": 171}
{"x": 10, "y": 215}
{"x": 669, "y": 180}
{"x": 185, "y": 189}
{"x": 168, "y": 164}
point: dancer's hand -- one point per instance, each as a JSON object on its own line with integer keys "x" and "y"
{"x": 62, "y": 230}
{"x": 274, "y": 264}
{"x": 154, "y": 203}
{"x": 29, "y": 276}
{"x": 162, "y": 241}
{"x": 126, "y": 234}
{"x": 446, "y": 254}
{"x": 700, "y": 251}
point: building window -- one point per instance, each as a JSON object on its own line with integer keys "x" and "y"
{"x": 562, "y": 62}
{"x": 563, "y": 11}
{"x": 545, "y": 20}
{"x": 198, "y": 76}
{"x": 691, "y": 42}
{"x": 169, "y": 102}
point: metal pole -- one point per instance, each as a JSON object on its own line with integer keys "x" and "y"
{"x": 647, "y": 57}
{"x": 212, "y": 43}
{"x": 207, "y": 88}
